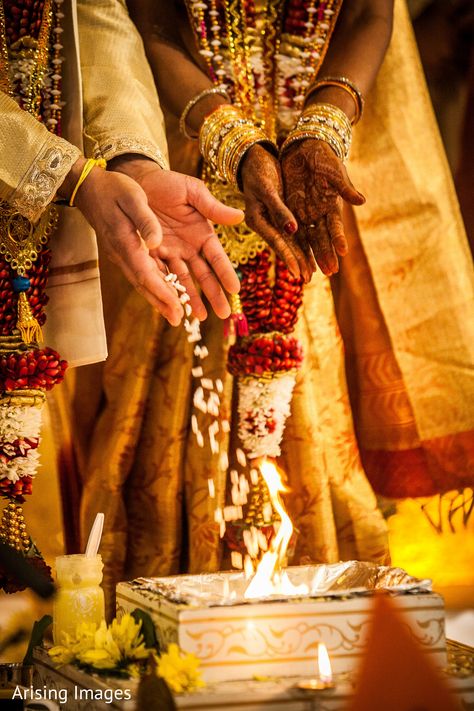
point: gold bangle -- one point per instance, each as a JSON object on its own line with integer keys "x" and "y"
{"x": 225, "y": 137}
{"x": 317, "y": 134}
{"x": 345, "y": 84}
{"x": 219, "y": 91}
{"x": 89, "y": 164}
{"x": 324, "y": 122}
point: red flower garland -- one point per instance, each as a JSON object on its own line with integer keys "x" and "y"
{"x": 269, "y": 310}
{"x": 264, "y": 354}
{"x": 39, "y": 369}
{"x": 16, "y": 490}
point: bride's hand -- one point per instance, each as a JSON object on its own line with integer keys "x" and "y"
{"x": 316, "y": 183}
{"x": 265, "y": 211}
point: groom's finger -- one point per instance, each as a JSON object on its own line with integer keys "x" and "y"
{"x": 218, "y": 260}
{"x": 210, "y": 207}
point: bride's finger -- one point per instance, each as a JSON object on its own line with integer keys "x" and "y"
{"x": 302, "y": 239}
{"x": 322, "y": 246}
{"x": 286, "y": 247}
{"x": 336, "y": 231}
{"x": 281, "y": 216}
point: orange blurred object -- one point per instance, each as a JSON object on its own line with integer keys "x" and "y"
{"x": 396, "y": 674}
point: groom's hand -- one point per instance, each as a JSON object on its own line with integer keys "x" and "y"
{"x": 117, "y": 208}
{"x": 190, "y": 248}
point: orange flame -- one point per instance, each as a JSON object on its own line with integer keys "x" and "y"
{"x": 324, "y": 664}
{"x": 269, "y": 577}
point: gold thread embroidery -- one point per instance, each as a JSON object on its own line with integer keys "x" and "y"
{"x": 130, "y": 144}
{"x": 44, "y": 177}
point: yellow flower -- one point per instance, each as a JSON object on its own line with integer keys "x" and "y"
{"x": 68, "y": 651}
{"x": 179, "y": 670}
{"x": 104, "y": 647}
{"x": 134, "y": 670}
{"x": 127, "y": 635}
{"x": 105, "y": 644}
{"x": 98, "y": 658}
{"x": 61, "y": 655}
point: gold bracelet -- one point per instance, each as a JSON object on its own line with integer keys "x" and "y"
{"x": 89, "y": 164}
{"x": 225, "y": 137}
{"x": 330, "y": 117}
{"x": 219, "y": 121}
{"x": 324, "y": 122}
{"x": 316, "y": 133}
{"x": 219, "y": 91}
{"x": 345, "y": 84}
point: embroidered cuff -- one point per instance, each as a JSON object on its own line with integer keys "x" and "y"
{"x": 41, "y": 182}
{"x": 131, "y": 144}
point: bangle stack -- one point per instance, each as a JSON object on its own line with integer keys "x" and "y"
{"x": 343, "y": 83}
{"x": 225, "y": 137}
{"x": 216, "y": 90}
{"x": 324, "y": 122}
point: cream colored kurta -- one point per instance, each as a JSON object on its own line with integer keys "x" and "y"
{"x": 111, "y": 108}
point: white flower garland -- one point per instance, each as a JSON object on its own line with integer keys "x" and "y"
{"x": 17, "y": 421}
{"x": 19, "y": 467}
{"x": 17, "y": 424}
{"x": 261, "y": 401}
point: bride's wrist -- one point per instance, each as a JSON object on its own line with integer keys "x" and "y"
{"x": 325, "y": 122}
{"x": 199, "y": 107}
{"x": 226, "y": 137}
{"x": 335, "y": 96}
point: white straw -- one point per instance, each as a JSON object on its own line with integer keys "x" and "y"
{"x": 94, "y": 536}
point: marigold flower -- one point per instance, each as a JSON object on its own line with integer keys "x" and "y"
{"x": 179, "y": 670}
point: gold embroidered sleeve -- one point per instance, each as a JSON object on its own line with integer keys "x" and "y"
{"x": 33, "y": 163}
{"x": 118, "y": 145}
{"x": 122, "y": 113}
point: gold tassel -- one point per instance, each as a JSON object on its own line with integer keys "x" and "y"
{"x": 13, "y": 528}
{"x": 29, "y": 328}
{"x": 237, "y": 322}
{"x": 236, "y": 304}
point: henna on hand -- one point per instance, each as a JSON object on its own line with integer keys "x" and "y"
{"x": 266, "y": 212}
{"x": 316, "y": 182}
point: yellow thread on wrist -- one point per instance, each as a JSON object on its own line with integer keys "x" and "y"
{"x": 89, "y": 164}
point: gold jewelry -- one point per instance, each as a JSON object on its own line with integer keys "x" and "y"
{"x": 345, "y": 84}
{"x": 20, "y": 239}
{"x": 13, "y": 528}
{"x": 232, "y": 29}
{"x": 225, "y": 137}
{"x": 20, "y": 243}
{"x": 89, "y": 164}
{"x": 23, "y": 398}
{"x": 5, "y": 83}
{"x": 31, "y": 102}
{"x": 324, "y": 122}
{"x": 219, "y": 91}
{"x": 240, "y": 242}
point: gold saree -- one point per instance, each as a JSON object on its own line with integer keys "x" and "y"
{"x": 387, "y": 344}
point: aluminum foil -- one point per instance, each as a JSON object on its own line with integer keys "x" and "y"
{"x": 348, "y": 579}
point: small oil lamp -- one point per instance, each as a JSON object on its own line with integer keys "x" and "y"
{"x": 324, "y": 681}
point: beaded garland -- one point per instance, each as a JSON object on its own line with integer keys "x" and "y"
{"x": 265, "y": 54}
{"x": 30, "y": 71}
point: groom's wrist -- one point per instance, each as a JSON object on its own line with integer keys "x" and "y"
{"x": 134, "y": 165}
